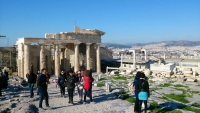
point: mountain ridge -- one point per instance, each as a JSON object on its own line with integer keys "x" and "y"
{"x": 166, "y": 44}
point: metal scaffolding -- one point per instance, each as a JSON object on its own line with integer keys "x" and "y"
{"x": 8, "y": 58}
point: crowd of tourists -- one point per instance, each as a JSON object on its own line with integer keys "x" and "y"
{"x": 82, "y": 80}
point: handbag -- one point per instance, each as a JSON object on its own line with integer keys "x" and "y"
{"x": 80, "y": 86}
{"x": 65, "y": 84}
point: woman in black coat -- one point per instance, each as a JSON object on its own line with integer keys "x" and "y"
{"x": 61, "y": 83}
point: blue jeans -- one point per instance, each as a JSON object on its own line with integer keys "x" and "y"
{"x": 43, "y": 94}
{"x": 31, "y": 85}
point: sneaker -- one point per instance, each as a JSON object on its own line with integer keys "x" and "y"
{"x": 48, "y": 107}
{"x": 41, "y": 108}
{"x": 80, "y": 101}
{"x": 92, "y": 102}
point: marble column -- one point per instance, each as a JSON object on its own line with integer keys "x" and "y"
{"x": 66, "y": 61}
{"x": 57, "y": 60}
{"x": 20, "y": 63}
{"x": 98, "y": 58}
{"x": 26, "y": 59}
{"x": 42, "y": 57}
{"x": 88, "y": 55}
{"x": 76, "y": 57}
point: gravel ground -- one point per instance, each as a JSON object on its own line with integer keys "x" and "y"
{"x": 19, "y": 102}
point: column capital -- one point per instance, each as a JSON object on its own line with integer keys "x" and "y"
{"x": 41, "y": 44}
{"x": 76, "y": 43}
{"x": 98, "y": 44}
{"x": 88, "y": 44}
{"x": 26, "y": 43}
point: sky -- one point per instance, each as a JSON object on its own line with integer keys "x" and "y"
{"x": 123, "y": 21}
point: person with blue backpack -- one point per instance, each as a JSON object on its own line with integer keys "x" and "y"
{"x": 135, "y": 82}
{"x": 143, "y": 92}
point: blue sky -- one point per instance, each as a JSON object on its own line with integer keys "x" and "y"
{"x": 124, "y": 21}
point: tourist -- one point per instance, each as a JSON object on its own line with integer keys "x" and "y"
{"x": 136, "y": 79}
{"x": 1, "y": 83}
{"x": 91, "y": 77}
{"x": 47, "y": 78}
{"x": 36, "y": 84}
{"x": 87, "y": 86}
{"x": 143, "y": 89}
{"x": 70, "y": 86}
{"x": 80, "y": 86}
{"x": 5, "y": 79}
{"x": 61, "y": 83}
{"x": 42, "y": 87}
{"x": 31, "y": 77}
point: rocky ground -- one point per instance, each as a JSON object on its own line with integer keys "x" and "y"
{"x": 16, "y": 100}
{"x": 16, "y": 97}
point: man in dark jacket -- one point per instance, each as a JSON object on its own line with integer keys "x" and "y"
{"x": 1, "y": 83}
{"x": 31, "y": 77}
{"x": 61, "y": 83}
{"x": 70, "y": 86}
{"x": 5, "y": 79}
{"x": 42, "y": 87}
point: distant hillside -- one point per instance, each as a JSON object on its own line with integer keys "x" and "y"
{"x": 167, "y": 44}
{"x": 172, "y": 43}
{"x": 117, "y": 45}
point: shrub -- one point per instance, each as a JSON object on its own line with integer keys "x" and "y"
{"x": 188, "y": 108}
{"x": 180, "y": 97}
{"x": 131, "y": 100}
{"x": 100, "y": 84}
{"x": 119, "y": 77}
{"x": 103, "y": 79}
{"x": 165, "y": 85}
{"x": 180, "y": 85}
{"x": 196, "y": 105}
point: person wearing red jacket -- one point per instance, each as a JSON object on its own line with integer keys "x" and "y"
{"x": 87, "y": 85}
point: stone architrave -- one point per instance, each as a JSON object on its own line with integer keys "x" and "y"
{"x": 57, "y": 60}
{"x": 88, "y": 55}
{"x": 98, "y": 58}
{"x": 26, "y": 59}
{"x": 76, "y": 57}
{"x": 42, "y": 57}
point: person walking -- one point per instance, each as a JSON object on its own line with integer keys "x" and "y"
{"x": 87, "y": 86}
{"x": 31, "y": 77}
{"x": 36, "y": 84}
{"x": 80, "y": 86}
{"x": 136, "y": 79}
{"x": 143, "y": 89}
{"x": 70, "y": 86}
{"x": 61, "y": 83}
{"x": 5, "y": 79}
{"x": 1, "y": 83}
{"x": 42, "y": 87}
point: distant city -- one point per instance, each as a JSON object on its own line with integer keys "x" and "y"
{"x": 155, "y": 50}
